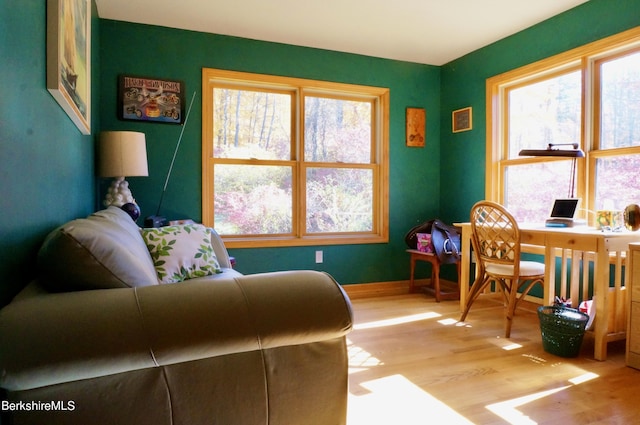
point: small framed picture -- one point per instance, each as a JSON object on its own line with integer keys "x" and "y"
{"x": 150, "y": 99}
{"x": 416, "y": 119}
{"x": 462, "y": 119}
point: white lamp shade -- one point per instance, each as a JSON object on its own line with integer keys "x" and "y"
{"x": 122, "y": 154}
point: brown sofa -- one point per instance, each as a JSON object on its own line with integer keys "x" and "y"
{"x": 97, "y": 341}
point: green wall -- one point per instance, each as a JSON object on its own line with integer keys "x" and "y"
{"x": 463, "y": 84}
{"x": 168, "y": 53}
{"x": 46, "y": 164}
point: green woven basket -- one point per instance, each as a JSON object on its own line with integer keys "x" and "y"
{"x": 562, "y": 330}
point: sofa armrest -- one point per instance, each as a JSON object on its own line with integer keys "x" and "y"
{"x": 221, "y": 251}
{"x": 54, "y": 338}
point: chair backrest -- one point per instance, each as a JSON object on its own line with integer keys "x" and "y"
{"x": 495, "y": 234}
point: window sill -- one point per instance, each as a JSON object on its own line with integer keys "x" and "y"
{"x": 272, "y": 242}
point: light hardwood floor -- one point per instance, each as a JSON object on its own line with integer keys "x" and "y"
{"x": 412, "y": 363}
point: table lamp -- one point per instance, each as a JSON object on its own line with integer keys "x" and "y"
{"x": 121, "y": 154}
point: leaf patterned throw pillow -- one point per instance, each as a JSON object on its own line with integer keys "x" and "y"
{"x": 181, "y": 252}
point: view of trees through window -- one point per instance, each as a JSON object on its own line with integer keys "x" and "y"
{"x": 287, "y": 161}
{"x": 620, "y": 102}
{"x": 337, "y": 133}
{"x": 548, "y": 111}
{"x": 253, "y": 125}
{"x": 550, "y": 108}
{"x": 617, "y": 175}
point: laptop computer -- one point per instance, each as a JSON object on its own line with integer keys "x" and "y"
{"x": 562, "y": 213}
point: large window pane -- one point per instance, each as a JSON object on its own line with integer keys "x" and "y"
{"x": 294, "y": 162}
{"x": 541, "y": 103}
{"x": 337, "y": 130}
{"x": 253, "y": 199}
{"x": 530, "y": 189}
{"x": 620, "y": 102}
{"x": 617, "y": 182}
{"x": 339, "y": 200}
{"x": 251, "y": 124}
{"x": 545, "y": 112}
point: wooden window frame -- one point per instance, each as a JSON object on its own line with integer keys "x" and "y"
{"x": 300, "y": 87}
{"x": 587, "y": 58}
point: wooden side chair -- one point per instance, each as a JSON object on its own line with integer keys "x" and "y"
{"x": 496, "y": 242}
{"x": 434, "y": 287}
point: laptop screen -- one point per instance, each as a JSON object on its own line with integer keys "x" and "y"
{"x": 564, "y": 208}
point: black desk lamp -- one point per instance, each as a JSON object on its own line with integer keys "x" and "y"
{"x": 553, "y": 150}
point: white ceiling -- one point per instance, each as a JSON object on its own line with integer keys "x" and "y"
{"x": 431, "y": 32}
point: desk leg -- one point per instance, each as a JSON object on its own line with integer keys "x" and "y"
{"x": 465, "y": 261}
{"x": 576, "y": 259}
{"x": 601, "y": 294}
{"x": 549, "y": 275}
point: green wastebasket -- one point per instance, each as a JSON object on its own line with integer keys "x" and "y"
{"x": 562, "y": 329}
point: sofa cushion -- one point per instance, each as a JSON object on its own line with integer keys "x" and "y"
{"x": 102, "y": 251}
{"x": 181, "y": 252}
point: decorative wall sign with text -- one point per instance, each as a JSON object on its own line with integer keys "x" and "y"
{"x": 150, "y": 99}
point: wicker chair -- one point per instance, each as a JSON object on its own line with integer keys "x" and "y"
{"x": 496, "y": 242}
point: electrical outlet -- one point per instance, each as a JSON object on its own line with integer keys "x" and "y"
{"x": 319, "y": 257}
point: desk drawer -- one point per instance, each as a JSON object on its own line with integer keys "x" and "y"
{"x": 576, "y": 242}
{"x": 634, "y": 329}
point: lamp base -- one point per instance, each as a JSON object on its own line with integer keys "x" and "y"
{"x": 132, "y": 209}
{"x": 118, "y": 193}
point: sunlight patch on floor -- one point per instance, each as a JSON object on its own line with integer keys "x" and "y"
{"x": 396, "y": 321}
{"x": 508, "y": 410}
{"x": 504, "y": 343}
{"x": 534, "y": 359}
{"x": 584, "y": 378}
{"x": 360, "y": 359}
{"x": 396, "y": 400}
{"x": 511, "y": 346}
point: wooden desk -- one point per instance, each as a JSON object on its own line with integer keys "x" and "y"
{"x": 583, "y": 243}
{"x": 633, "y": 327}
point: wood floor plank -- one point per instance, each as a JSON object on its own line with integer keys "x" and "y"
{"x": 413, "y": 363}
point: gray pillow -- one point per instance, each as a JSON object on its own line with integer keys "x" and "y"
{"x": 104, "y": 250}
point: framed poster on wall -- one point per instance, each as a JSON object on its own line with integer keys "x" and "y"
{"x": 150, "y": 99}
{"x": 416, "y": 119}
{"x": 69, "y": 58}
{"x": 462, "y": 119}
